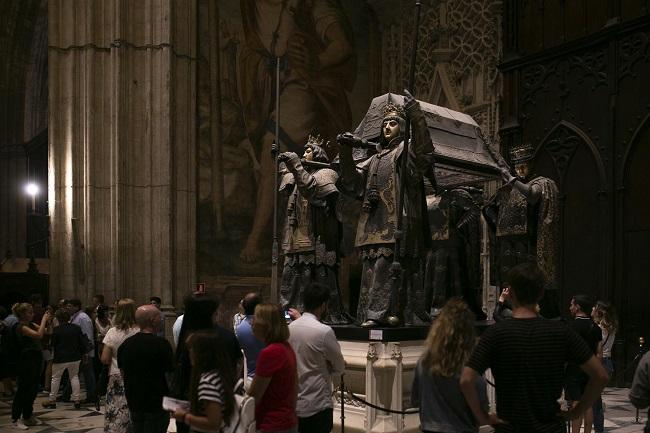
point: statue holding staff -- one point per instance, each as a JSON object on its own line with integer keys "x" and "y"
{"x": 524, "y": 215}
{"x": 312, "y": 232}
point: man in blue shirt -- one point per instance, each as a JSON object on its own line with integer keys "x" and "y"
{"x": 248, "y": 342}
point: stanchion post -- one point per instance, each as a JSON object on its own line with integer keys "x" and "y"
{"x": 636, "y": 360}
{"x": 342, "y": 403}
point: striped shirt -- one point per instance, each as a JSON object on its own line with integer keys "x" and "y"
{"x": 210, "y": 387}
{"x": 527, "y": 358}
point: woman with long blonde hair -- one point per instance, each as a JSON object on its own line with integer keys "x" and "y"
{"x": 436, "y": 388}
{"x": 117, "y": 419}
{"x": 604, "y": 315}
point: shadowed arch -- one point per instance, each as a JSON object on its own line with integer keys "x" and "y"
{"x": 629, "y": 152}
{"x": 602, "y": 177}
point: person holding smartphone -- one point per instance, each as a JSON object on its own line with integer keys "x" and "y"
{"x": 503, "y": 309}
{"x": 28, "y": 367}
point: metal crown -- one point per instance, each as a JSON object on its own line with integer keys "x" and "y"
{"x": 315, "y": 140}
{"x": 522, "y": 153}
{"x": 394, "y": 110}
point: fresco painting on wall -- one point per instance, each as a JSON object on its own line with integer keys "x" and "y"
{"x": 322, "y": 91}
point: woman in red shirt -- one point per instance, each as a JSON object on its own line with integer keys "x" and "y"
{"x": 275, "y": 386}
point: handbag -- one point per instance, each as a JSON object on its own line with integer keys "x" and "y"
{"x": 102, "y": 382}
{"x": 243, "y": 417}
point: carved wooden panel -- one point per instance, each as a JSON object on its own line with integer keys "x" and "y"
{"x": 586, "y": 106}
{"x": 544, "y": 24}
{"x": 635, "y": 290}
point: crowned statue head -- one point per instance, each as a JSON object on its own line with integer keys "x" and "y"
{"x": 314, "y": 149}
{"x": 392, "y": 127}
{"x": 521, "y": 156}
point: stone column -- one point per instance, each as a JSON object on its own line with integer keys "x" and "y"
{"x": 122, "y": 138}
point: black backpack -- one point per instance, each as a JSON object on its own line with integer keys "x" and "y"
{"x": 11, "y": 342}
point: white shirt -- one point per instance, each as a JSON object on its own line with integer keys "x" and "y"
{"x": 114, "y": 339}
{"x": 318, "y": 356}
{"x": 608, "y": 342}
{"x": 176, "y": 328}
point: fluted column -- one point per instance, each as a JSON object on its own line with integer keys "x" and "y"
{"x": 122, "y": 148}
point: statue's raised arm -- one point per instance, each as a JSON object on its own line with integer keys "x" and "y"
{"x": 421, "y": 150}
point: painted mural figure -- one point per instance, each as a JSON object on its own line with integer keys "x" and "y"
{"x": 376, "y": 182}
{"x": 453, "y": 266}
{"x": 312, "y": 39}
{"x": 524, "y": 215}
{"x": 311, "y": 237}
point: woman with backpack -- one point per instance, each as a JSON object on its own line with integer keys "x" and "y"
{"x": 28, "y": 367}
{"x": 211, "y": 393}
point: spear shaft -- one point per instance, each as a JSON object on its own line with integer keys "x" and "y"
{"x": 399, "y": 234}
{"x": 275, "y": 151}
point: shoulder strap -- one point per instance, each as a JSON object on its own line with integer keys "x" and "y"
{"x": 606, "y": 339}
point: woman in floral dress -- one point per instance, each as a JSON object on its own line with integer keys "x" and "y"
{"x": 116, "y": 418}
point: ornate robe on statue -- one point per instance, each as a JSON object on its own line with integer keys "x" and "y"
{"x": 375, "y": 235}
{"x": 312, "y": 101}
{"x": 527, "y": 232}
{"x": 311, "y": 235}
{"x": 453, "y": 266}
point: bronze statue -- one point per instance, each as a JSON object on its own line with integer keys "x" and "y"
{"x": 453, "y": 266}
{"x": 524, "y": 216}
{"x": 376, "y": 183}
{"x": 311, "y": 237}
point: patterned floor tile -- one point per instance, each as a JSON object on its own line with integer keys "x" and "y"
{"x": 620, "y": 416}
{"x": 74, "y": 424}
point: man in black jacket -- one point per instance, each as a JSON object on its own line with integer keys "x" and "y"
{"x": 69, "y": 345}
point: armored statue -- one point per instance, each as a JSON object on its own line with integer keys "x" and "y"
{"x": 453, "y": 266}
{"x": 524, "y": 217}
{"x": 310, "y": 241}
{"x": 376, "y": 183}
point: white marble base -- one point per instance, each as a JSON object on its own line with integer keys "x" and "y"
{"x": 380, "y": 373}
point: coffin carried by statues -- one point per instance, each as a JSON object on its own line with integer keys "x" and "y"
{"x": 462, "y": 155}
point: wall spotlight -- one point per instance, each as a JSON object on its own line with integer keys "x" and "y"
{"x": 32, "y": 189}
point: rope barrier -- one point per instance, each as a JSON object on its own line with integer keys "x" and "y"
{"x": 364, "y": 402}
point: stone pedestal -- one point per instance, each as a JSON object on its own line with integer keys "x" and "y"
{"x": 379, "y": 369}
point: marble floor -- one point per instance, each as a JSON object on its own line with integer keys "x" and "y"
{"x": 619, "y": 413}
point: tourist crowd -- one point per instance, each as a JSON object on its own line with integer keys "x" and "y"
{"x": 287, "y": 366}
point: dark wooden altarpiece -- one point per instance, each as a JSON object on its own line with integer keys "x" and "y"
{"x": 577, "y": 86}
